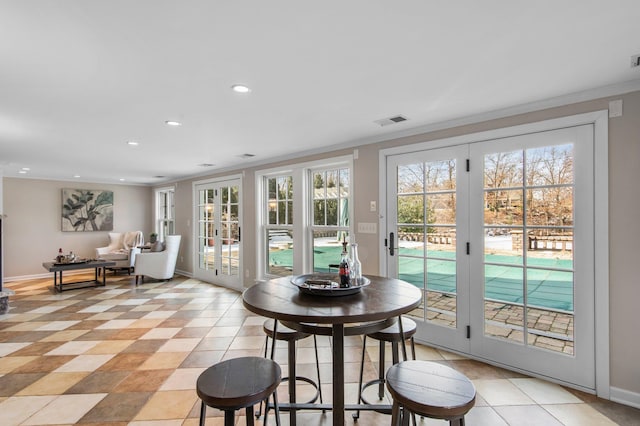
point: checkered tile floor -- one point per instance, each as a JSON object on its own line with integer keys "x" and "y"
{"x": 127, "y": 355}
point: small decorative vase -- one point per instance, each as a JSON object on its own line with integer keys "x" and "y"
{"x": 4, "y": 301}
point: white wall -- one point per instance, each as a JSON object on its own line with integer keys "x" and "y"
{"x": 32, "y": 226}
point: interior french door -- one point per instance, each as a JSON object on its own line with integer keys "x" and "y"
{"x": 218, "y": 239}
{"x": 499, "y": 235}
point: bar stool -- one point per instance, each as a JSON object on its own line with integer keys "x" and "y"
{"x": 239, "y": 383}
{"x": 430, "y": 390}
{"x": 390, "y": 334}
{"x": 291, "y": 336}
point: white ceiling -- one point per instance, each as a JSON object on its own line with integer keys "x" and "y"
{"x": 80, "y": 78}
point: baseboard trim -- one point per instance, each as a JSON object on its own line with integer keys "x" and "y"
{"x": 184, "y": 273}
{"x": 625, "y": 397}
{"x": 35, "y": 276}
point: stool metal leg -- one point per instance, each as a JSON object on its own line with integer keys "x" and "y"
{"x": 413, "y": 349}
{"x": 315, "y": 345}
{"x": 356, "y": 415}
{"x": 229, "y": 417}
{"x": 249, "y": 411}
{"x": 266, "y": 345}
{"x": 276, "y": 409}
{"x": 381, "y": 371}
{"x": 395, "y": 356}
{"x": 203, "y": 413}
{"x": 291, "y": 348}
{"x": 405, "y": 417}
{"x": 273, "y": 353}
{"x": 395, "y": 414}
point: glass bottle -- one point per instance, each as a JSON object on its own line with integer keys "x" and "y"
{"x": 345, "y": 274}
{"x": 356, "y": 266}
{"x": 60, "y": 256}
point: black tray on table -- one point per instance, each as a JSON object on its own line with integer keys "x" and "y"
{"x": 326, "y": 284}
{"x": 73, "y": 262}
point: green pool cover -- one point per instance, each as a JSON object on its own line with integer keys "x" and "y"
{"x": 504, "y": 275}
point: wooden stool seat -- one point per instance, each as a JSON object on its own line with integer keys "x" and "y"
{"x": 392, "y": 333}
{"x": 430, "y": 390}
{"x": 283, "y": 332}
{"x": 238, "y": 383}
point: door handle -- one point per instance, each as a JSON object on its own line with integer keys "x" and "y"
{"x": 391, "y": 244}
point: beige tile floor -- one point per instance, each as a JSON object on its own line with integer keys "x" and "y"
{"x": 127, "y": 355}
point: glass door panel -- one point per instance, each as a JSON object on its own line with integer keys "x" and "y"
{"x": 531, "y": 197}
{"x": 427, "y": 228}
{"x": 218, "y": 228}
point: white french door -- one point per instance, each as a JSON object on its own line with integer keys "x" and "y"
{"x": 428, "y": 225}
{"x": 218, "y": 232}
{"x": 499, "y": 235}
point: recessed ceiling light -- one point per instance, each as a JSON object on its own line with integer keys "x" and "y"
{"x": 26, "y": 168}
{"x": 22, "y": 172}
{"x": 76, "y": 176}
{"x": 159, "y": 176}
{"x": 245, "y": 156}
{"x": 121, "y": 179}
{"x": 240, "y": 88}
{"x": 173, "y": 123}
{"x": 132, "y": 143}
{"x": 206, "y": 165}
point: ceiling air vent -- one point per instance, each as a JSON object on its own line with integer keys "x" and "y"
{"x": 391, "y": 120}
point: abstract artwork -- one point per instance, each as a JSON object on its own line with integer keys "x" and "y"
{"x": 87, "y": 210}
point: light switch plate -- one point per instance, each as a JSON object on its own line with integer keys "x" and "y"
{"x": 367, "y": 228}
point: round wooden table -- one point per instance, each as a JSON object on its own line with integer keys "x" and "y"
{"x": 375, "y": 307}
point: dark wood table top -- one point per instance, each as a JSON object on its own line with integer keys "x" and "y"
{"x": 282, "y": 300}
{"x": 52, "y": 266}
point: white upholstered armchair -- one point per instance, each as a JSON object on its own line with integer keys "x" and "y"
{"x": 159, "y": 265}
{"x": 122, "y": 249}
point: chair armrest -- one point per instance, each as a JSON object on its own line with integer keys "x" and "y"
{"x": 148, "y": 262}
{"x": 133, "y": 252}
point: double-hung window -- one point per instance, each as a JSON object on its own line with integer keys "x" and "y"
{"x": 304, "y": 218}
{"x": 278, "y": 226}
{"x": 165, "y": 212}
{"x": 329, "y": 223}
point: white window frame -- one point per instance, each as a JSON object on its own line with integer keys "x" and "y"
{"x": 302, "y": 199}
{"x": 158, "y": 214}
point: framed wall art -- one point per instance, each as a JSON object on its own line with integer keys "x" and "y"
{"x": 87, "y": 210}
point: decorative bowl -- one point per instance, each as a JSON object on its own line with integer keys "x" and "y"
{"x": 326, "y": 284}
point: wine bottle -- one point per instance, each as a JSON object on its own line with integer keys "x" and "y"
{"x": 356, "y": 266}
{"x": 345, "y": 274}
